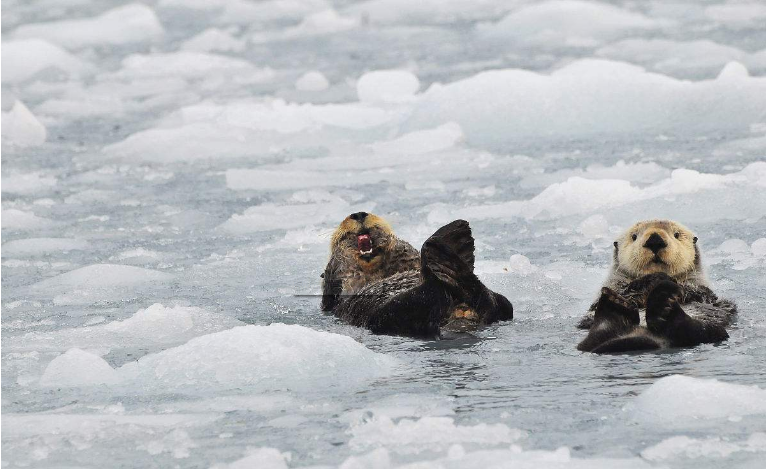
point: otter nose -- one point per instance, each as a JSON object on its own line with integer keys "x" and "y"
{"x": 358, "y": 216}
{"x": 655, "y": 243}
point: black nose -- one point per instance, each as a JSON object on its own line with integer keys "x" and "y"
{"x": 655, "y": 243}
{"x": 359, "y": 216}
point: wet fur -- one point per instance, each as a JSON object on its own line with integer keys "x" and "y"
{"x": 672, "y": 295}
{"x": 406, "y": 292}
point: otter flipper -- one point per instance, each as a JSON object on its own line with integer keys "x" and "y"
{"x": 448, "y": 257}
{"x": 665, "y": 317}
{"x": 614, "y": 318}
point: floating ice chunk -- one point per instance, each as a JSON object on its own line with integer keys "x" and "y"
{"x": 132, "y": 23}
{"x": 312, "y": 81}
{"x": 78, "y": 368}
{"x": 427, "y": 11}
{"x": 323, "y": 22}
{"x": 732, "y": 246}
{"x": 100, "y": 277}
{"x": 42, "y": 246}
{"x": 154, "y": 326}
{"x": 586, "y": 98}
{"x": 422, "y": 141}
{"x": 680, "y": 400}
{"x": 213, "y": 39}
{"x": 277, "y": 179}
{"x": 714, "y": 447}
{"x": 428, "y": 434}
{"x": 91, "y": 196}
{"x": 137, "y": 255}
{"x": 758, "y": 247}
{"x": 177, "y": 443}
{"x": 14, "y": 219}
{"x": 187, "y": 143}
{"x": 578, "y": 195}
{"x": 25, "y": 58}
{"x": 21, "y": 127}
{"x": 192, "y": 66}
{"x": 387, "y": 86}
{"x": 246, "y": 12}
{"x": 570, "y": 23}
{"x": 633, "y": 172}
{"x": 595, "y": 226}
{"x": 733, "y": 71}
{"x": 261, "y": 458}
{"x": 33, "y": 436}
{"x": 263, "y": 358}
{"x": 738, "y": 15}
{"x": 678, "y": 57}
{"x": 269, "y": 217}
{"x": 521, "y": 265}
{"x": 27, "y": 183}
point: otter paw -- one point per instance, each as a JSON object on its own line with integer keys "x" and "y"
{"x": 613, "y": 304}
{"x": 663, "y": 306}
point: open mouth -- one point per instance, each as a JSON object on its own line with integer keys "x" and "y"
{"x": 364, "y": 242}
{"x": 657, "y": 260}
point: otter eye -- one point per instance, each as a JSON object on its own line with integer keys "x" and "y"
{"x": 677, "y": 235}
{"x": 635, "y": 236}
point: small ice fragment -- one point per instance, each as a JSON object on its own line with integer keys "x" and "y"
{"x": 21, "y": 127}
{"x": 312, "y": 81}
{"x": 77, "y": 368}
{"x": 758, "y": 248}
{"x": 387, "y": 86}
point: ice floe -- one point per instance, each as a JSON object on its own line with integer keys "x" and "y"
{"x": 690, "y": 58}
{"x": 260, "y": 358}
{"x": 312, "y": 81}
{"x": 586, "y": 98}
{"x": 681, "y": 401}
{"x": 24, "y": 59}
{"x": 569, "y": 23}
{"x": 132, "y": 23}
{"x": 32, "y": 247}
{"x": 213, "y": 39}
{"x": 268, "y": 217}
{"x": 77, "y": 368}
{"x": 97, "y": 282}
{"x": 387, "y": 85}
{"x": 154, "y": 326}
{"x": 20, "y": 220}
{"x": 27, "y": 183}
{"x": 693, "y": 448}
{"x": 428, "y": 434}
{"x": 21, "y": 127}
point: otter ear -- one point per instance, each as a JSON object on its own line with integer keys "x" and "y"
{"x": 615, "y": 244}
{"x": 694, "y": 240}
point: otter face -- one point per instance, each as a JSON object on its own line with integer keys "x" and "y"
{"x": 362, "y": 236}
{"x": 657, "y": 246}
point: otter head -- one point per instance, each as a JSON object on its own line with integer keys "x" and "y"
{"x": 364, "y": 237}
{"x": 658, "y": 246}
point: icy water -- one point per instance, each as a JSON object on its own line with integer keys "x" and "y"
{"x": 171, "y": 173}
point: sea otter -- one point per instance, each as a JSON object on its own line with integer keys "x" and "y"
{"x": 375, "y": 280}
{"x": 656, "y": 273}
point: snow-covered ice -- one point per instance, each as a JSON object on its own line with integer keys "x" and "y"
{"x": 173, "y": 171}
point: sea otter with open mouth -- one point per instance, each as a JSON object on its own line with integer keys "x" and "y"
{"x": 375, "y": 280}
{"x": 656, "y": 295}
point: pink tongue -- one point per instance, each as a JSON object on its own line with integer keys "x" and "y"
{"x": 364, "y": 242}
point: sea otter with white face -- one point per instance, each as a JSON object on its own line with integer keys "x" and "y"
{"x": 656, "y": 295}
{"x": 375, "y": 280}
